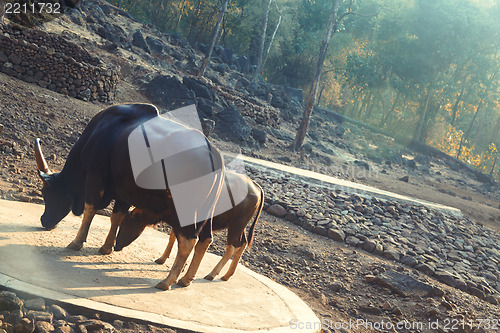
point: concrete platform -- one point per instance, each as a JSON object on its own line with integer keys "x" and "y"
{"x": 36, "y": 261}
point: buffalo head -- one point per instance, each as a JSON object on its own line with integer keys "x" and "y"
{"x": 132, "y": 226}
{"x": 55, "y": 195}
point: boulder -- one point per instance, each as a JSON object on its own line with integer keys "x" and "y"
{"x": 405, "y": 285}
{"x": 277, "y": 210}
{"x": 198, "y": 88}
{"x": 154, "y": 44}
{"x": 169, "y": 93}
{"x": 259, "y": 135}
{"x": 9, "y": 301}
{"x": 139, "y": 41}
{"x": 231, "y": 125}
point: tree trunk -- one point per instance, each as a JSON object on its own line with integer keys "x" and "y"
{"x": 466, "y": 136}
{"x": 388, "y": 114}
{"x": 271, "y": 41}
{"x": 320, "y": 95}
{"x": 222, "y": 11}
{"x": 258, "y": 68}
{"x": 178, "y": 21}
{"x": 330, "y": 29}
{"x": 419, "y": 133}
{"x": 454, "y": 109}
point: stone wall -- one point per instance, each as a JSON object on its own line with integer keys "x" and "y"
{"x": 53, "y": 62}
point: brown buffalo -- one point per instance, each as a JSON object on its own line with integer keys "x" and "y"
{"x": 235, "y": 220}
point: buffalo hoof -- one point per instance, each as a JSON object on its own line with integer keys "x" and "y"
{"x": 209, "y": 277}
{"x": 75, "y": 246}
{"x": 162, "y": 285}
{"x": 105, "y": 250}
{"x": 184, "y": 282}
{"x": 160, "y": 261}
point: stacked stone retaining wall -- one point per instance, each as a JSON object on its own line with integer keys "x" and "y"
{"x": 53, "y": 62}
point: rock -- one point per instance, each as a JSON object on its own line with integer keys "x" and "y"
{"x": 391, "y": 254}
{"x": 139, "y": 41}
{"x": 14, "y": 317}
{"x": 279, "y": 269}
{"x": 58, "y": 312}
{"x": 97, "y": 325}
{"x": 371, "y": 310}
{"x": 477, "y": 292}
{"x": 9, "y": 301}
{"x": 409, "y": 260}
{"x": 25, "y": 326}
{"x": 259, "y": 135}
{"x": 410, "y": 163}
{"x": 75, "y": 319}
{"x": 291, "y": 216}
{"x": 369, "y": 278}
{"x": 427, "y": 269}
{"x": 268, "y": 260}
{"x": 336, "y": 286}
{"x": 277, "y": 210}
{"x": 352, "y": 241}
{"x": 405, "y": 285}
{"x": 64, "y": 329}
{"x": 336, "y": 234}
{"x": 169, "y": 93}
{"x": 495, "y": 300}
{"x": 446, "y": 278}
{"x": 231, "y": 125}
{"x": 369, "y": 245}
{"x": 40, "y": 316}
{"x": 207, "y": 126}
{"x": 397, "y": 311}
{"x": 154, "y": 44}
{"x": 35, "y": 304}
{"x": 198, "y": 88}
{"x": 461, "y": 285}
{"x": 405, "y": 179}
{"x": 43, "y": 327}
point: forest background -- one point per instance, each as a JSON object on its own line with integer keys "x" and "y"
{"x": 421, "y": 70}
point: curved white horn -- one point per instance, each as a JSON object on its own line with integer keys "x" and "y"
{"x": 40, "y": 159}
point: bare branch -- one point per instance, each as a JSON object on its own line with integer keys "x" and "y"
{"x": 350, "y": 12}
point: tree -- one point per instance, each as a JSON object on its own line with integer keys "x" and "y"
{"x": 222, "y": 11}
{"x": 258, "y": 68}
{"x": 304, "y": 124}
{"x": 331, "y": 28}
{"x": 273, "y": 36}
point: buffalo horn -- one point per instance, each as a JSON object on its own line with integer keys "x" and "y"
{"x": 40, "y": 160}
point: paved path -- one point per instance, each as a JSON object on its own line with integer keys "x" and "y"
{"x": 36, "y": 261}
{"x": 344, "y": 185}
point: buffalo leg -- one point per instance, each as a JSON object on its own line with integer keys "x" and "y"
{"x": 236, "y": 259}
{"x": 166, "y": 254}
{"x": 184, "y": 248}
{"x": 199, "y": 253}
{"x": 81, "y": 236}
{"x": 220, "y": 265}
{"x": 119, "y": 211}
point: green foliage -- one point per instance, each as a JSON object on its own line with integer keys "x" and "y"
{"x": 422, "y": 64}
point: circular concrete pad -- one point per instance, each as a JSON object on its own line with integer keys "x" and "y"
{"x": 37, "y": 261}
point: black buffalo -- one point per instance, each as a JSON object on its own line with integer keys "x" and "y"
{"x": 98, "y": 169}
